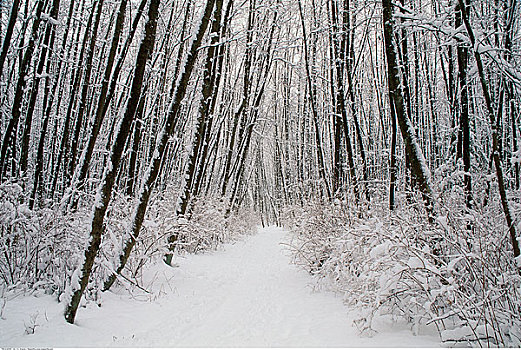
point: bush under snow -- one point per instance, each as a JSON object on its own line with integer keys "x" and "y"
{"x": 464, "y": 282}
{"x": 42, "y": 250}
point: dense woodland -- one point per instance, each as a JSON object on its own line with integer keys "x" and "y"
{"x": 383, "y": 134}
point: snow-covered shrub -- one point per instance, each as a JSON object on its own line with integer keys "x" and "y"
{"x": 241, "y": 222}
{"x": 205, "y": 228}
{"x": 465, "y": 282}
{"x": 39, "y": 249}
{"x": 43, "y": 249}
{"x": 208, "y": 226}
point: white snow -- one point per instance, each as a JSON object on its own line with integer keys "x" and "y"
{"x": 246, "y": 294}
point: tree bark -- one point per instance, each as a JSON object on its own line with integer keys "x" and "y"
{"x": 462, "y": 53}
{"x": 64, "y": 144}
{"x": 8, "y": 139}
{"x": 495, "y": 136}
{"x": 24, "y": 154}
{"x": 418, "y": 166}
{"x": 9, "y": 33}
{"x": 102, "y": 100}
{"x": 104, "y": 193}
{"x": 152, "y": 172}
{"x": 83, "y": 97}
{"x": 37, "y": 180}
{"x": 320, "y": 152}
{"x": 192, "y": 171}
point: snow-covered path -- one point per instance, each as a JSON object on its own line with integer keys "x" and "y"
{"x": 246, "y": 294}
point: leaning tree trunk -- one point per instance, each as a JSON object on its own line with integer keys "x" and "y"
{"x": 75, "y": 85}
{"x": 192, "y": 170}
{"x": 215, "y": 82}
{"x": 245, "y": 97}
{"x": 418, "y": 166}
{"x": 107, "y": 91}
{"x": 152, "y": 172}
{"x": 105, "y": 191}
{"x": 83, "y": 97}
{"x": 9, "y": 134}
{"x": 244, "y": 147}
{"x": 9, "y": 33}
{"x": 496, "y": 155}
{"x": 24, "y": 154}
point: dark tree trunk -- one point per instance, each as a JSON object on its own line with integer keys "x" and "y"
{"x": 216, "y": 80}
{"x": 392, "y": 162}
{"x": 348, "y": 47}
{"x": 418, "y": 166}
{"x": 107, "y": 92}
{"x": 9, "y": 134}
{"x": 102, "y": 100}
{"x": 64, "y": 144}
{"x": 8, "y": 34}
{"x": 152, "y": 173}
{"x": 24, "y": 154}
{"x": 496, "y": 155}
{"x": 105, "y": 191}
{"x": 37, "y": 180}
{"x": 320, "y": 152}
{"x": 83, "y": 98}
{"x": 340, "y": 47}
{"x": 462, "y": 52}
{"x": 192, "y": 170}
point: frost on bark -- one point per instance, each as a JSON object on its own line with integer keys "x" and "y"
{"x": 16, "y": 111}
{"x": 104, "y": 193}
{"x": 9, "y": 33}
{"x": 496, "y": 154}
{"x": 192, "y": 171}
{"x": 418, "y": 165}
{"x": 107, "y": 91}
{"x": 464, "y": 132}
{"x": 320, "y": 152}
{"x": 152, "y": 172}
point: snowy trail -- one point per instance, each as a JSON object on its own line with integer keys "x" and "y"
{"x": 246, "y": 294}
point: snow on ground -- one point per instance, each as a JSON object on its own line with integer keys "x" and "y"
{"x": 246, "y": 294}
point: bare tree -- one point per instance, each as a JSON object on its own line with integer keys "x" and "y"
{"x": 105, "y": 190}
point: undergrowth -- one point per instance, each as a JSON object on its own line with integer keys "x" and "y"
{"x": 457, "y": 273}
{"x": 41, "y": 250}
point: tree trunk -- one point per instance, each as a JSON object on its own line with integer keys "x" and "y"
{"x": 340, "y": 47}
{"x": 392, "y": 162}
{"x": 8, "y": 139}
{"x": 83, "y": 98}
{"x": 462, "y": 53}
{"x": 64, "y": 144}
{"x": 24, "y": 154}
{"x": 104, "y": 193}
{"x": 418, "y": 166}
{"x": 8, "y": 34}
{"x": 107, "y": 92}
{"x": 37, "y": 180}
{"x": 192, "y": 170}
{"x": 495, "y": 136}
{"x": 152, "y": 172}
{"x": 320, "y": 152}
